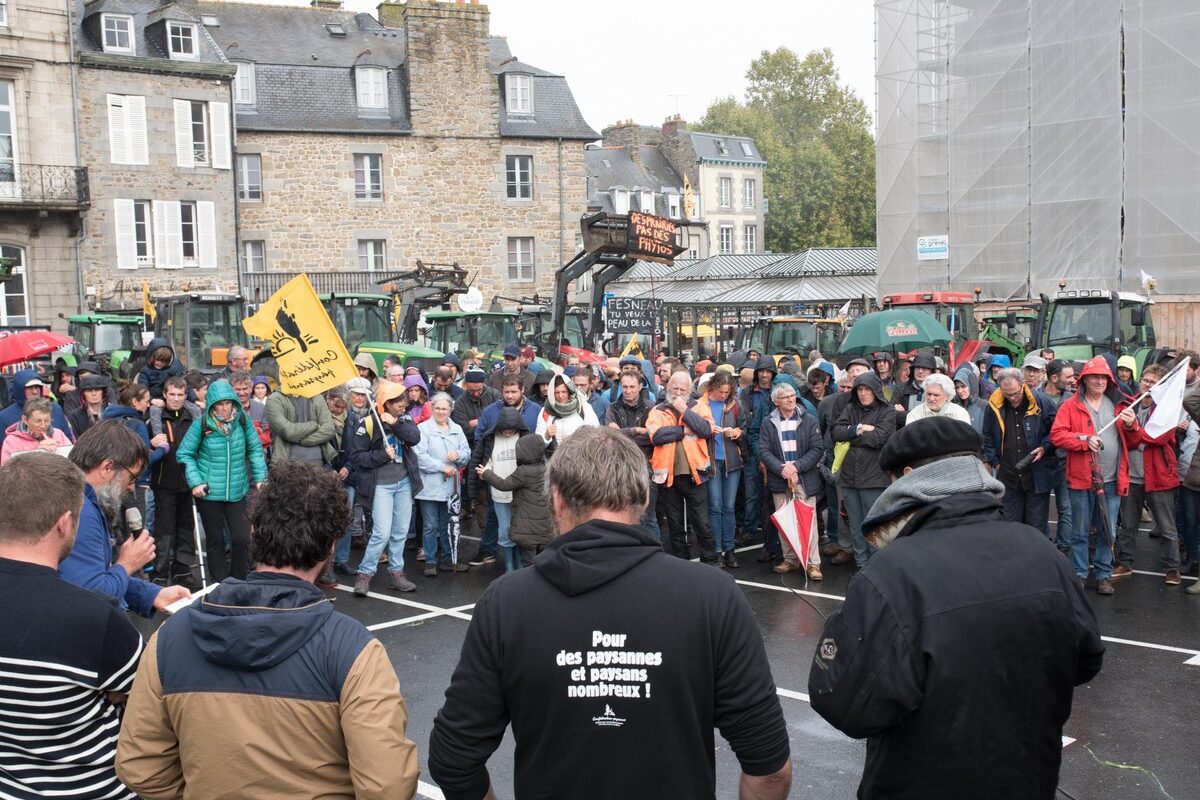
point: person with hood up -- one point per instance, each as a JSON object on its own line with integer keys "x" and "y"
{"x": 261, "y": 689}
{"x": 753, "y": 399}
{"x": 132, "y": 408}
{"x": 161, "y": 364}
{"x": 937, "y": 392}
{"x": 966, "y": 394}
{"x": 532, "y": 527}
{"x": 1126, "y": 374}
{"x": 840, "y": 547}
{"x": 954, "y": 596}
{"x": 260, "y": 388}
{"x": 1099, "y": 402}
{"x": 999, "y": 361}
{"x": 496, "y": 452}
{"x": 25, "y": 385}
{"x": 358, "y": 406}
{"x": 566, "y": 411}
{"x": 367, "y": 369}
{"x": 418, "y": 398}
{"x": 866, "y": 423}
{"x": 1016, "y": 444}
{"x": 790, "y": 449}
{"x": 541, "y": 386}
{"x": 441, "y": 454}
{"x": 387, "y": 476}
{"x": 691, "y": 652}
{"x": 33, "y": 431}
{"x": 221, "y": 455}
{"x": 93, "y": 399}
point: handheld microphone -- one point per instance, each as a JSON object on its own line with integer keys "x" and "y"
{"x": 133, "y": 521}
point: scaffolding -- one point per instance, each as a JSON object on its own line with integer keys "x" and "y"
{"x": 1047, "y": 139}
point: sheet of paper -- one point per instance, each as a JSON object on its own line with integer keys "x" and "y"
{"x": 184, "y": 602}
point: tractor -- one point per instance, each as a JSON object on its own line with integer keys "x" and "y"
{"x": 106, "y": 338}
{"x": 200, "y": 326}
{"x": 1080, "y": 324}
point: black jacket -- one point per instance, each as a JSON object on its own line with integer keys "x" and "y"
{"x": 168, "y": 475}
{"x": 367, "y": 453}
{"x": 955, "y": 655}
{"x": 684, "y": 654}
{"x": 532, "y": 526}
{"x": 861, "y": 468}
{"x": 809, "y": 449}
{"x": 467, "y": 408}
{"x": 628, "y": 417}
{"x": 509, "y": 419}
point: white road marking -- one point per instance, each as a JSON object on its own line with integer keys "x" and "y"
{"x": 1160, "y": 574}
{"x": 428, "y": 790}
{"x": 789, "y": 590}
{"x": 410, "y": 603}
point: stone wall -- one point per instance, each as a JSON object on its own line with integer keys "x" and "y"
{"x": 161, "y": 179}
{"x": 444, "y": 201}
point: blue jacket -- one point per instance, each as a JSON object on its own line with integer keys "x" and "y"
{"x": 599, "y": 404}
{"x": 153, "y": 378}
{"x": 90, "y": 566}
{"x": 1037, "y": 422}
{"x": 133, "y": 420}
{"x": 12, "y": 413}
{"x": 431, "y": 452}
{"x": 487, "y": 419}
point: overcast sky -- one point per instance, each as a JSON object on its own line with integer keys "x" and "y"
{"x": 648, "y": 59}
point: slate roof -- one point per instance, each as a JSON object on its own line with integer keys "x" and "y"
{"x": 614, "y": 167}
{"x": 728, "y": 265}
{"x": 707, "y": 147}
{"x": 144, "y": 12}
{"x": 555, "y": 113}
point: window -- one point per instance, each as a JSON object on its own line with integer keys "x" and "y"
{"x": 372, "y": 255}
{"x": 372, "y": 87}
{"x": 3, "y": 12}
{"x": 127, "y": 129}
{"x": 646, "y": 202}
{"x": 199, "y": 123}
{"x": 210, "y": 21}
{"x": 181, "y": 40}
{"x": 249, "y": 175}
{"x": 202, "y": 134}
{"x": 188, "y": 233}
{"x": 243, "y": 84}
{"x": 519, "y": 93}
{"x": 726, "y": 239}
{"x": 520, "y": 258}
{"x": 673, "y": 206}
{"x": 725, "y": 192}
{"x": 620, "y": 201}
{"x": 518, "y": 174}
{"x": 335, "y": 28}
{"x": 8, "y": 141}
{"x": 721, "y": 148}
{"x": 693, "y": 246}
{"x": 12, "y": 291}
{"x": 749, "y": 193}
{"x": 143, "y": 233}
{"x": 368, "y": 176}
{"x": 118, "y": 33}
{"x": 746, "y": 151}
{"x": 254, "y": 256}
{"x": 750, "y": 239}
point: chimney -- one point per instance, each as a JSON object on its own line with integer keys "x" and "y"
{"x": 327, "y": 5}
{"x": 673, "y": 125}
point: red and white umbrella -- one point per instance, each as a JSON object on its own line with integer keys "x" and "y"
{"x": 24, "y": 345}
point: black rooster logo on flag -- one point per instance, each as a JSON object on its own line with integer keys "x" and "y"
{"x": 289, "y": 336}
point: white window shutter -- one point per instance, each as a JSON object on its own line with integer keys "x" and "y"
{"x": 218, "y": 118}
{"x": 135, "y": 121}
{"x": 172, "y": 235}
{"x": 118, "y": 138}
{"x": 206, "y": 223}
{"x": 123, "y": 225}
{"x": 184, "y": 155}
{"x": 160, "y": 233}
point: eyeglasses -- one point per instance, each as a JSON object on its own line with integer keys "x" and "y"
{"x": 1014, "y": 395}
{"x": 783, "y": 397}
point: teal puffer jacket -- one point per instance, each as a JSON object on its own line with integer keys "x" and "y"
{"x": 217, "y": 459}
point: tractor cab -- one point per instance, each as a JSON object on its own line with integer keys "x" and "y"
{"x": 107, "y": 339}
{"x": 201, "y": 327}
{"x": 1080, "y": 324}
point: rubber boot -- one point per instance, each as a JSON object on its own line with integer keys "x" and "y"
{"x": 512, "y": 559}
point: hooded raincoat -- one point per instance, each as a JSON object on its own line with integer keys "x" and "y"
{"x": 216, "y": 455}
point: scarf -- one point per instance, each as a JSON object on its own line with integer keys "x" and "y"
{"x": 922, "y": 487}
{"x": 563, "y": 409}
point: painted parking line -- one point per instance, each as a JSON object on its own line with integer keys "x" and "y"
{"x": 441, "y": 612}
{"x": 790, "y": 590}
{"x": 410, "y": 603}
{"x": 1160, "y": 574}
{"x": 428, "y": 790}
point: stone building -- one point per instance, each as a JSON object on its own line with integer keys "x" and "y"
{"x": 366, "y": 143}
{"x": 155, "y": 128}
{"x": 724, "y": 173}
{"x": 43, "y": 190}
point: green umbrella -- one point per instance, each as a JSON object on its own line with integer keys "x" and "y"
{"x": 895, "y": 329}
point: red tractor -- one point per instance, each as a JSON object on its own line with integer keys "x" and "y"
{"x": 955, "y": 310}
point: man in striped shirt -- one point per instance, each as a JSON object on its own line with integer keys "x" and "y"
{"x": 67, "y": 655}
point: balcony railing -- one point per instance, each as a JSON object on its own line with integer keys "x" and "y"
{"x": 258, "y": 286}
{"x": 43, "y": 186}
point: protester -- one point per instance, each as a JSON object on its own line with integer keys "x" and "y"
{"x": 540, "y": 390}
{"x": 197, "y": 384}
{"x": 585, "y": 380}
{"x": 628, "y": 414}
{"x": 1034, "y": 369}
{"x": 33, "y": 431}
{"x": 468, "y": 408}
{"x": 954, "y": 596}
{"x": 790, "y": 449}
{"x": 882, "y": 362}
{"x": 1153, "y": 479}
{"x": 511, "y": 396}
{"x": 387, "y": 477}
{"x": 69, "y": 654}
{"x": 357, "y": 407}
{"x": 365, "y": 365}
{"x": 937, "y": 392}
{"x": 604, "y": 586}
{"x": 174, "y": 520}
{"x": 512, "y": 366}
{"x": 1075, "y": 430}
{"x": 260, "y": 389}
{"x": 911, "y": 394}
{"x": 866, "y": 423}
{"x": 111, "y": 457}
{"x": 566, "y": 411}
{"x": 92, "y": 400}
{"x": 1126, "y": 373}
{"x": 132, "y": 408}
{"x": 302, "y": 429}
{"x": 161, "y": 364}
{"x": 418, "y": 398}
{"x": 840, "y": 547}
{"x": 255, "y": 409}
{"x": 221, "y": 457}
{"x": 680, "y": 430}
{"x": 966, "y": 394}
{"x": 818, "y": 384}
{"x": 727, "y": 449}
{"x": 531, "y": 528}
{"x": 26, "y": 385}
{"x": 442, "y": 453}
{"x": 752, "y": 478}
{"x": 1189, "y": 475}
{"x": 268, "y": 660}
{"x": 443, "y": 381}
{"x": 1016, "y": 444}
{"x": 1060, "y": 381}
{"x": 496, "y": 452}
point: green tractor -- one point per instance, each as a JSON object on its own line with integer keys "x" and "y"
{"x": 485, "y": 331}
{"x": 107, "y": 339}
{"x": 1080, "y": 324}
{"x": 1010, "y": 333}
{"x": 200, "y": 326}
{"x": 364, "y": 321}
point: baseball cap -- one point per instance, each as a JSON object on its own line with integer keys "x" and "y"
{"x": 512, "y": 351}
{"x": 1033, "y": 361}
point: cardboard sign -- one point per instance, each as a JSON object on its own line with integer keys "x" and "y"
{"x": 651, "y": 238}
{"x": 633, "y": 315}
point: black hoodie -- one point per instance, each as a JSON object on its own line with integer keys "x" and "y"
{"x": 861, "y": 468}
{"x": 613, "y": 662}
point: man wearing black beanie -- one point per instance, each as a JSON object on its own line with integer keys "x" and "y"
{"x": 955, "y": 597}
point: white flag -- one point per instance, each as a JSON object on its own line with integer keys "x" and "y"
{"x": 1149, "y": 282}
{"x": 1168, "y": 401}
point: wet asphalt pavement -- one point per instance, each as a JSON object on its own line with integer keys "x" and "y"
{"x": 1143, "y": 709}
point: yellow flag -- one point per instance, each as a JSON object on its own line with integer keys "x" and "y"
{"x": 147, "y": 306}
{"x": 632, "y": 346}
{"x": 311, "y": 355}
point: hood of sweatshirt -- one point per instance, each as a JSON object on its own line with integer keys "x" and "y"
{"x": 258, "y": 623}
{"x": 594, "y": 554}
{"x": 510, "y": 419}
{"x": 121, "y": 412}
{"x": 871, "y": 381}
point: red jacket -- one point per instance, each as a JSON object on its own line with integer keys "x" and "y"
{"x": 1158, "y": 458}
{"x": 1073, "y": 421}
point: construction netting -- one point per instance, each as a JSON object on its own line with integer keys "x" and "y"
{"x": 1045, "y": 140}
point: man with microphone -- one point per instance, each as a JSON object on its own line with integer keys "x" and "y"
{"x": 111, "y": 458}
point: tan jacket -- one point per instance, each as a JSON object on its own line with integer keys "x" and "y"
{"x": 210, "y": 744}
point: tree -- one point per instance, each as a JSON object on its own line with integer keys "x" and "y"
{"x": 815, "y": 135}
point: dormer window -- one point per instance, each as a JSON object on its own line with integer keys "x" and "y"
{"x": 181, "y": 39}
{"x": 518, "y": 91}
{"x": 721, "y": 148}
{"x": 210, "y": 21}
{"x": 620, "y": 198}
{"x": 646, "y": 202}
{"x": 746, "y": 151}
{"x": 371, "y": 83}
{"x": 335, "y": 29}
{"x": 118, "y": 33}
{"x": 243, "y": 84}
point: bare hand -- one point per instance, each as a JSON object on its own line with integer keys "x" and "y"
{"x": 1128, "y": 417}
{"x": 474, "y": 424}
{"x": 137, "y": 552}
{"x": 866, "y": 428}
{"x": 1183, "y": 424}
{"x": 157, "y": 402}
{"x": 343, "y": 473}
{"x": 387, "y": 418}
{"x": 159, "y": 441}
{"x": 1094, "y": 444}
{"x": 614, "y": 426}
{"x": 453, "y": 456}
{"x": 900, "y": 408}
{"x": 168, "y": 595}
{"x": 1038, "y": 453}
{"x": 48, "y": 444}
{"x": 200, "y": 490}
{"x": 790, "y": 473}
{"x": 679, "y": 404}
{"x": 480, "y": 470}
{"x": 733, "y": 433}
{"x": 449, "y": 472}
{"x": 391, "y": 452}
{"x": 551, "y": 431}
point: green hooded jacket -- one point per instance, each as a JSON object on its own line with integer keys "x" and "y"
{"x": 210, "y": 456}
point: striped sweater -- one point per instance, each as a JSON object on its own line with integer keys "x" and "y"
{"x": 62, "y": 649}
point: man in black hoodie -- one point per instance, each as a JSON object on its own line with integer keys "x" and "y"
{"x": 602, "y": 646}
{"x": 175, "y": 527}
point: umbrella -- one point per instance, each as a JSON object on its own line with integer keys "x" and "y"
{"x": 795, "y": 521}
{"x": 1100, "y": 520}
{"x": 895, "y": 329}
{"x": 22, "y": 346}
{"x": 455, "y": 506}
